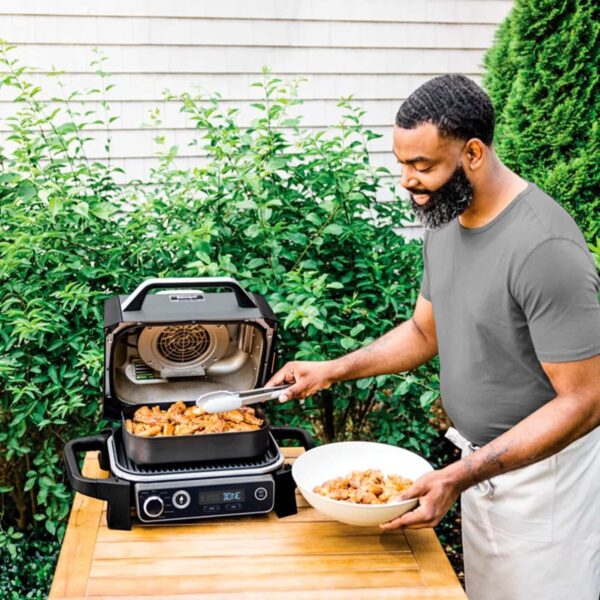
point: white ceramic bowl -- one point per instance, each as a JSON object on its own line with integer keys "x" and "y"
{"x": 337, "y": 460}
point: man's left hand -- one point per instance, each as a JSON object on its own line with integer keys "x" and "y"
{"x": 436, "y": 492}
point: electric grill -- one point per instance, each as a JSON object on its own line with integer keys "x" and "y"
{"x": 187, "y": 340}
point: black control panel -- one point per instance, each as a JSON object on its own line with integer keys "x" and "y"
{"x": 218, "y": 497}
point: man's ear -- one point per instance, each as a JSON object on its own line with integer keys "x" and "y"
{"x": 474, "y": 153}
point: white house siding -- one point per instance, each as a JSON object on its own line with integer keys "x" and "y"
{"x": 378, "y": 51}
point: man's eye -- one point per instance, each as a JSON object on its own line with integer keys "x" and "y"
{"x": 426, "y": 170}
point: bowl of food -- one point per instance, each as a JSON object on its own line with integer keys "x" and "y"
{"x": 358, "y": 482}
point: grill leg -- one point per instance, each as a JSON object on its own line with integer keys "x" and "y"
{"x": 118, "y": 511}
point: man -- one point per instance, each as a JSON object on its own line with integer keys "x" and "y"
{"x": 509, "y": 301}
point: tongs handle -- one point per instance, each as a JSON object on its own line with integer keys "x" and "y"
{"x": 262, "y": 394}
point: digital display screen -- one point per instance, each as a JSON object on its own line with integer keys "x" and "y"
{"x": 219, "y": 496}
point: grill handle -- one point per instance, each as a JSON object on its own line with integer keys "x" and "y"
{"x": 294, "y": 433}
{"x": 137, "y": 297}
{"x": 115, "y": 492}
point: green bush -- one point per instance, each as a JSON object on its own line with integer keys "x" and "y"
{"x": 544, "y": 79}
{"x": 28, "y": 565}
{"x": 290, "y": 213}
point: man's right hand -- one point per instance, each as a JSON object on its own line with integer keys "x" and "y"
{"x": 307, "y": 377}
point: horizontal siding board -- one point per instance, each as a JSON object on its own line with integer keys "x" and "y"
{"x": 22, "y": 29}
{"x": 235, "y": 59}
{"x": 470, "y": 11}
{"x": 138, "y": 142}
{"x": 133, "y": 115}
{"x": 134, "y": 87}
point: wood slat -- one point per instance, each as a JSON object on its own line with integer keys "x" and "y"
{"x": 206, "y": 546}
{"x": 228, "y": 529}
{"x": 235, "y": 582}
{"x": 253, "y": 566}
{"x": 76, "y": 553}
{"x": 394, "y": 593}
{"x": 433, "y": 563}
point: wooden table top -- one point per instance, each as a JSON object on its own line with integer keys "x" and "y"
{"x": 304, "y": 556}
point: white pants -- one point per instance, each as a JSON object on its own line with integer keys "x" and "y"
{"x": 534, "y": 533}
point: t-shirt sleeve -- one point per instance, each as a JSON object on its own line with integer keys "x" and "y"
{"x": 557, "y": 289}
{"x": 425, "y": 280}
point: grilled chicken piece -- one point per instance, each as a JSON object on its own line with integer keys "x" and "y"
{"x": 194, "y": 411}
{"x": 176, "y": 412}
{"x": 182, "y": 420}
{"x": 149, "y": 432}
{"x": 233, "y": 415}
{"x": 245, "y": 427}
{"x": 252, "y": 419}
{"x": 188, "y": 428}
{"x": 149, "y": 416}
{"x": 143, "y": 415}
{"x": 375, "y": 488}
{"x": 364, "y": 487}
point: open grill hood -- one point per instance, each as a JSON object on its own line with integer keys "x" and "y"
{"x": 179, "y": 344}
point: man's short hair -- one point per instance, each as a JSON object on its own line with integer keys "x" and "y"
{"x": 457, "y": 106}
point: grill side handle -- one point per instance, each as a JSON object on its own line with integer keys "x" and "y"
{"x": 293, "y": 433}
{"x": 117, "y": 493}
{"x": 137, "y": 297}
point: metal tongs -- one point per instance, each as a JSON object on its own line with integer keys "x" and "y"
{"x": 224, "y": 400}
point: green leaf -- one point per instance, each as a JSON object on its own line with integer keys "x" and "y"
{"x": 55, "y": 204}
{"x": 334, "y": 229}
{"x": 347, "y": 343}
{"x": 356, "y": 330}
{"x": 313, "y": 218}
{"x": 104, "y": 210}
{"x": 427, "y": 399}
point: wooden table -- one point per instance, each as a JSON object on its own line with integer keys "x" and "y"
{"x": 304, "y": 556}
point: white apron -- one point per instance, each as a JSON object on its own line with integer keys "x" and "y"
{"x": 534, "y": 533}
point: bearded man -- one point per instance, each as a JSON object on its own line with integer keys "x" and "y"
{"x": 509, "y": 301}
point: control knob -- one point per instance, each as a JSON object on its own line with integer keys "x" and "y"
{"x": 154, "y": 506}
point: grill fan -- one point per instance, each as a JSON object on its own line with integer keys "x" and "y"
{"x": 183, "y": 343}
{"x": 182, "y": 350}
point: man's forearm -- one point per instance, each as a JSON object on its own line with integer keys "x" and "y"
{"x": 401, "y": 349}
{"x": 544, "y": 433}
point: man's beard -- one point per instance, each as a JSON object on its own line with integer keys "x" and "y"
{"x": 446, "y": 203}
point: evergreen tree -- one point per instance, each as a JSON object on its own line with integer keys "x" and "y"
{"x": 544, "y": 80}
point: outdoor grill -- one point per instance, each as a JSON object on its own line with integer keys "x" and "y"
{"x": 195, "y": 336}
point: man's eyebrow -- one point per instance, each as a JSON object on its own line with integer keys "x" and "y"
{"x": 411, "y": 161}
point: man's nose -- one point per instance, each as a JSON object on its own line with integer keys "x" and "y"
{"x": 407, "y": 179}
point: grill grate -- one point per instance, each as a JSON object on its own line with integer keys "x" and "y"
{"x": 124, "y": 463}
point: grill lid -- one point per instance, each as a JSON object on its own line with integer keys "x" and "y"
{"x": 178, "y": 345}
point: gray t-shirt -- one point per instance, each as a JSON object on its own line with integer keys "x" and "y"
{"x": 521, "y": 290}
